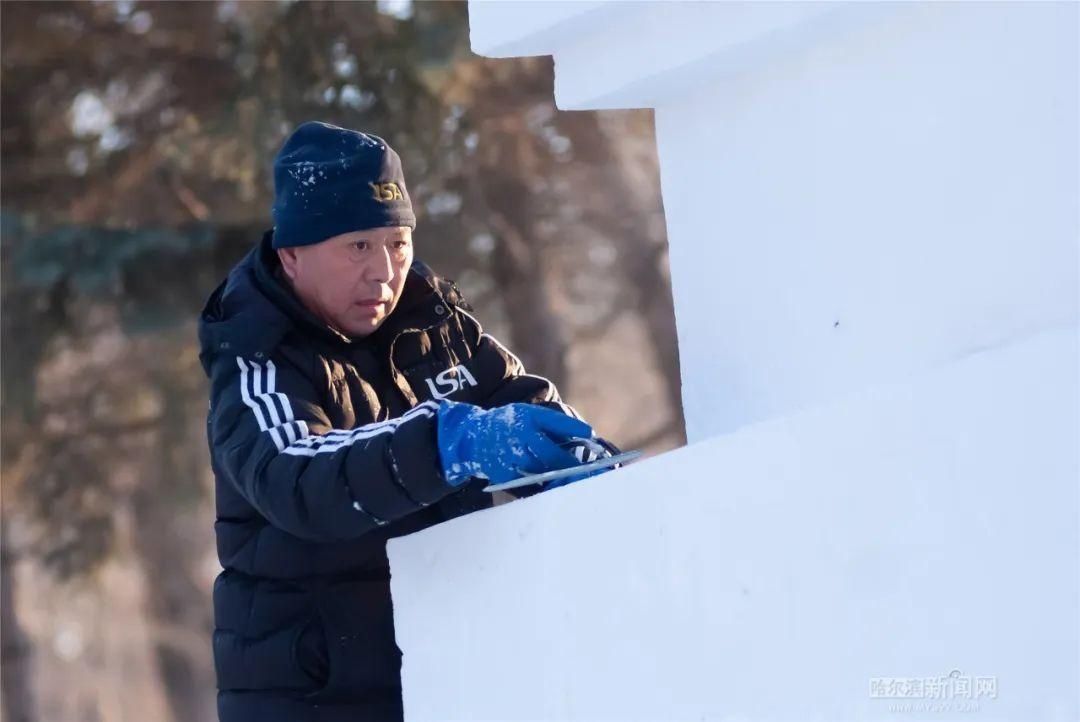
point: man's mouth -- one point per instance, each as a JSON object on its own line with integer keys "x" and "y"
{"x": 372, "y": 303}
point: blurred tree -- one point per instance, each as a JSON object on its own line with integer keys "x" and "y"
{"x": 137, "y": 139}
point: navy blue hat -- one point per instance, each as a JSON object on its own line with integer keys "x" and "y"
{"x": 330, "y": 180}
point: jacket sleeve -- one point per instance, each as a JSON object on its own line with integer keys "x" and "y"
{"x": 271, "y": 439}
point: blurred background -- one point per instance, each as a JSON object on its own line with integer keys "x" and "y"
{"x": 137, "y": 141}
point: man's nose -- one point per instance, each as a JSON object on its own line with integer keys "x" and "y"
{"x": 381, "y": 268}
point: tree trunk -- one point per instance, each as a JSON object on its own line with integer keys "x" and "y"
{"x": 519, "y": 270}
{"x": 170, "y": 547}
{"x": 634, "y": 178}
{"x": 15, "y": 659}
{"x": 536, "y": 332}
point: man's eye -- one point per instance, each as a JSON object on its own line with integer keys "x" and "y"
{"x": 361, "y": 245}
{"x": 401, "y": 244}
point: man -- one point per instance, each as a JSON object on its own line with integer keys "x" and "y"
{"x": 353, "y": 399}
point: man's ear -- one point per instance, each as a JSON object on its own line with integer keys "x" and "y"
{"x": 288, "y": 258}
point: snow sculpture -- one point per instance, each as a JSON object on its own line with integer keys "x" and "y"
{"x": 873, "y": 217}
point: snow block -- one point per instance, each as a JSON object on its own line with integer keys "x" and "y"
{"x": 810, "y": 567}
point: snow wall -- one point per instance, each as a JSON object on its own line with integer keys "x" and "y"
{"x": 874, "y": 219}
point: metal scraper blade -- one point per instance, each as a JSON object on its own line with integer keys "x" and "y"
{"x": 605, "y": 463}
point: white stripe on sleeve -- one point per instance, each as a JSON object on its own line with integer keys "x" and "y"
{"x": 261, "y": 404}
{"x": 337, "y": 439}
{"x": 253, "y": 405}
{"x": 301, "y": 442}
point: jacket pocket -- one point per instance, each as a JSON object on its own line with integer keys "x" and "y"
{"x": 309, "y": 652}
{"x": 261, "y": 664}
{"x": 363, "y": 660}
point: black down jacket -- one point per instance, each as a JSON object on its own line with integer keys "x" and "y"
{"x": 323, "y": 448}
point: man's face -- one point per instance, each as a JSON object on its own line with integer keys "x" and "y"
{"x": 352, "y": 281}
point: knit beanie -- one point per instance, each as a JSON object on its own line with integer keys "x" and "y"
{"x": 330, "y": 180}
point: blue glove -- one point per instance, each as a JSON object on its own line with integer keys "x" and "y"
{"x": 504, "y": 443}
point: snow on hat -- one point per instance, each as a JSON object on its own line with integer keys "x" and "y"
{"x": 330, "y": 180}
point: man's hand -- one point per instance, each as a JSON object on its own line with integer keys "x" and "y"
{"x": 504, "y": 443}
